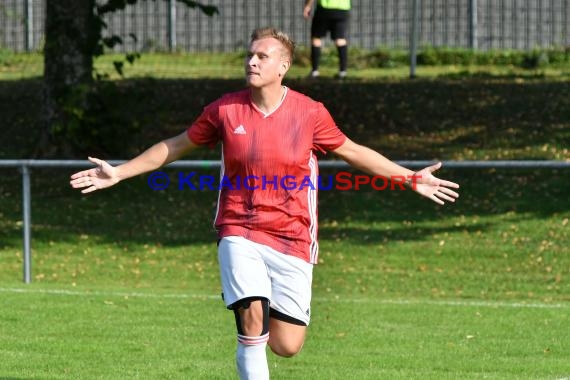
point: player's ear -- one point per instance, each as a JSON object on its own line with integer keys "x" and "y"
{"x": 284, "y": 67}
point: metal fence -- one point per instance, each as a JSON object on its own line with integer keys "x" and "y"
{"x": 166, "y": 24}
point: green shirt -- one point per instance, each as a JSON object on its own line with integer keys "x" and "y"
{"x": 335, "y": 4}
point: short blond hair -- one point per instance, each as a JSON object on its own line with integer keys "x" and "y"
{"x": 269, "y": 32}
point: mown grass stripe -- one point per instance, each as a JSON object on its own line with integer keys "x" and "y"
{"x": 458, "y": 303}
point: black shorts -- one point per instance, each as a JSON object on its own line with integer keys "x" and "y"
{"x": 334, "y": 21}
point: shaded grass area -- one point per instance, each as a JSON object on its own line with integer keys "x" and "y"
{"x": 423, "y": 119}
{"x": 125, "y": 281}
{"x": 497, "y": 242}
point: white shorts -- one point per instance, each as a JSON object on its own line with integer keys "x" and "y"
{"x": 249, "y": 269}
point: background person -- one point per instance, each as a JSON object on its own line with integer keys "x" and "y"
{"x": 330, "y": 16}
{"x": 267, "y": 237}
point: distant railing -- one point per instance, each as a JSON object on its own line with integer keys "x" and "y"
{"x": 170, "y": 25}
{"x": 25, "y": 165}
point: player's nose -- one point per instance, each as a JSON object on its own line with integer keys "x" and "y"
{"x": 252, "y": 61}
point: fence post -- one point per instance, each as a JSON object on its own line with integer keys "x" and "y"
{"x": 414, "y": 38}
{"x": 473, "y": 24}
{"x": 172, "y": 24}
{"x": 27, "y": 220}
{"x": 29, "y": 25}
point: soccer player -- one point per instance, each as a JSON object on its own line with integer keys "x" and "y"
{"x": 267, "y": 232}
{"x": 330, "y": 16}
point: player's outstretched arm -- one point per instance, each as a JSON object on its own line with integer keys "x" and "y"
{"x": 423, "y": 181}
{"x": 106, "y": 175}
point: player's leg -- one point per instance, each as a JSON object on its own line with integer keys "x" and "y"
{"x": 318, "y": 31}
{"x": 252, "y": 322}
{"x": 291, "y": 281}
{"x": 287, "y": 336}
{"x": 338, "y": 34}
{"x": 247, "y": 289}
{"x": 252, "y": 316}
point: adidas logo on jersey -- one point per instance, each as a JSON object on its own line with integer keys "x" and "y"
{"x": 239, "y": 130}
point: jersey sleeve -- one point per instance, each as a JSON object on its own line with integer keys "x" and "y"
{"x": 327, "y": 136}
{"x": 206, "y": 129}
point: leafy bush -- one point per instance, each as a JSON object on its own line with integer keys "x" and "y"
{"x": 378, "y": 58}
{"x": 6, "y": 57}
{"x": 445, "y": 56}
{"x": 435, "y": 56}
{"x": 533, "y": 59}
{"x": 542, "y": 58}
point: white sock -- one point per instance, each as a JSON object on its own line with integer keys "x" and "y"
{"x": 251, "y": 357}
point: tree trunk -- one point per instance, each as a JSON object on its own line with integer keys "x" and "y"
{"x": 68, "y": 63}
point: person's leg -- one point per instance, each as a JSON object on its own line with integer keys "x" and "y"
{"x": 338, "y": 34}
{"x": 284, "y": 334}
{"x": 290, "y": 312}
{"x": 319, "y": 30}
{"x": 316, "y": 47}
{"x": 342, "y": 48}
{"x": 252, "y": 321}
{"x": 252, "y": 274}
{"x": 246, "y": 290}
{"x": 286, "y": 338}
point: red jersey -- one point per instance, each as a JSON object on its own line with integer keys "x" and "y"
{"x": 269, "y": 174}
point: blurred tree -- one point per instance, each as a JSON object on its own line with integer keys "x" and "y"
{"x": 73, "y": 33}
{"x": 70, "y": 31}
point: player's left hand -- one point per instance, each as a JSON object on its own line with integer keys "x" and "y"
{"x": 438, "y": 190}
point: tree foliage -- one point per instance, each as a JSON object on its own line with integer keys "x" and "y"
{"x": 76, "y": 118}
{"x": 111, "y": 6}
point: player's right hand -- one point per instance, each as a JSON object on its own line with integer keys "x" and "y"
{"x": 100, "y": 177}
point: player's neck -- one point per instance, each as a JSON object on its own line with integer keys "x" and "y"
{"x": 268, "y": 99}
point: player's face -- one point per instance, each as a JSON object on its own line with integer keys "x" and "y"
{"x": 265, "y": 63}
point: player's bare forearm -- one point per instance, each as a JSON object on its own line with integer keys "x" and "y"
{"x": 156, "y": 156}
{"x": 422, "y": 182}
{"x": 105, "y": 175}
{"x": 370, "y": 161}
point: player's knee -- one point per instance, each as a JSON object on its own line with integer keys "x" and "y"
{"x": 285, "y": 349}
{"x": 340, "y": 42}
{"x": 252, "y": 320}
{"x": 287, "y": 334}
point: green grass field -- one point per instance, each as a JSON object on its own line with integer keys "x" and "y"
{"x": 125, "y": 281}
{"x": 229, "y": 66}
{"x": 125, "y": 284}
